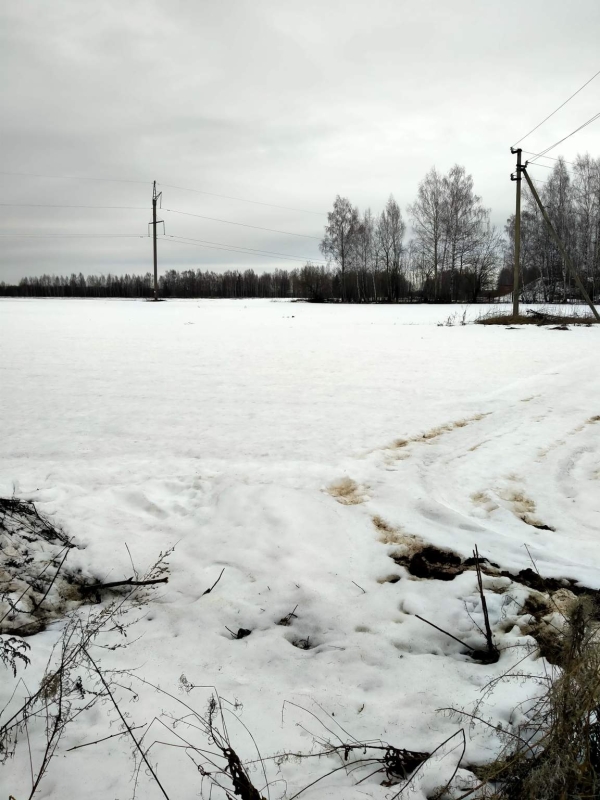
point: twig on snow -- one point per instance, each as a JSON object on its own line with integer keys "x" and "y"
{"x": 441, "y": 630}
{"x": 209, "y": 590}
{"x": 112, "y": 736}
{"x": 123, "y": 720}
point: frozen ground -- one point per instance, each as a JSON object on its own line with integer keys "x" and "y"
{"x": 298, "y": 446}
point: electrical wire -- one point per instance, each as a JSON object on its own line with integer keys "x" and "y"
{"x": 72, "y": 177}
{"x": 169, "y": 238}
{"x": 54, "y": 205}
{"x": 242, "y": 247}
{"x": 546, "y": 166}
{"x": 557, "y": 109}
{"x": 568, "y": 136}
{"x": 552, "y": 158}
{"x": 80, "y": 235}
{"x": 242, "y": 200}
{"x": 166, "y": 185}
{"x": 242, "y": 224}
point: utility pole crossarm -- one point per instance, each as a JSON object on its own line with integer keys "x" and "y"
{"x": 561, "y": 247}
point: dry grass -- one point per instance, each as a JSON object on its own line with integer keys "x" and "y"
{"x": 554, "y": 753}
{"x": 347, "y": 492}
{"x": 436, "y": 432}
{"x": 534, "y": 317}
{"x": 388, "y": 534}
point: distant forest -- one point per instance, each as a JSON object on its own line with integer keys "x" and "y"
{"x": 455, "y": 253}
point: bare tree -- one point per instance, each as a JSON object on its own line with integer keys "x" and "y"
{"x": 390, "y": 232}
{"x": 427, "y": 215}
{"x": 366, "y": 258}
{"x": 340, "y": 240}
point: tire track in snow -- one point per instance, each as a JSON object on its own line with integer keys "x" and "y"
{"x": 488, "y": 483}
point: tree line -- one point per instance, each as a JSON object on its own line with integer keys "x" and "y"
{"x": 454, "y": 254}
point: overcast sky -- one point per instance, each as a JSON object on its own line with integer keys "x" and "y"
{"x": 281, "y": 102}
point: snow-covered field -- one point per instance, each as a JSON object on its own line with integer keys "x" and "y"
{"x": 298, "y": 447}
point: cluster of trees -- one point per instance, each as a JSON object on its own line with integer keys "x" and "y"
{"x": 454, "y": 255}
{"x": 572, "y": 198}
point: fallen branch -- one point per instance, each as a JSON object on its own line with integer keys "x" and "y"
{"x": 441, "y": 630}
{"x": 492, "y": 651}
{"x": 98, "y": 587}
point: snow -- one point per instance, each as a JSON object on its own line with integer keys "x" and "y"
{"x": 265, "y": 438}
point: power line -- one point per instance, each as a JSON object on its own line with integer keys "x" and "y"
{"x": 242, "y": 224}
{"x": 71, "y": 177}
{"x": 560, "y": 141}
{"x": 242, "y": 247}
{"x": 54, "y": 205}
{"x": 549, "y": 166}
{"x": 243, "y": 200}
{"x": 169, "y": 238}
{"x": 80, "y": 235}
{"x": 552, "y": 158}
{"x": 557, "y": 109}
{"x": 166, "y": 185}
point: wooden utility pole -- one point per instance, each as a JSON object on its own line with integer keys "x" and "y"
{"x": 517, "y": 178}
{"x": 559, "y": 244}
{"x": 154, "y": 223}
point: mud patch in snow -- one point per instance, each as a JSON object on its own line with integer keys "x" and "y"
{"x": 348, "y": 492}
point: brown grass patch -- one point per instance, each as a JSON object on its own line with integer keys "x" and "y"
{"x": 388, "y": 534}
{"x": 521, "y": 503}
{"x": 535, "y": 318}
{"x": 347, "y": 492}
{"x": 440, "y": 430}
{"x": 484, "y": 500}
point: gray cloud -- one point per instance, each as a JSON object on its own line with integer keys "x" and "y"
{"x": 282, "y": 103}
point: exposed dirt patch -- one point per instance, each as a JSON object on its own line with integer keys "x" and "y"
{"x": 485, "y": 501}
{"x": 522, "y": 506}
{"x": 451, "y": 426}
{"x": 520, "y": 502}
{"x": 348, "y": 492}
{"x": 433, "y": 562}
{"x": 430, "y": 562}
{"x": 406, "y": 544}
{"x": 436, "y": 432}
{"x": 393, "y": 578}
{"x": 388, "y": 534}
{"x": 535, "y": 523}
{"x": 304, "y": 644}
